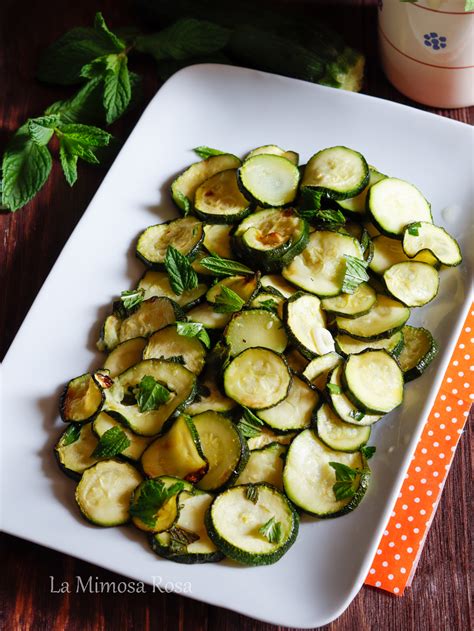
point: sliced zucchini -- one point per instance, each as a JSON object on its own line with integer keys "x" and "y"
{"x": 178, "y": 452}
{"x": 125, "y": 355}
{"x": 152, "y": 315}
{"x": 187, "y": 540}
{"x": 109, "y": 333}
{"x": 383, "y": 320}
{"x": 418, "y": 352}
{"x": 104, "y": 491}
{"x": 357, "y": 204}
{"x": 244, "y": 286}
{"x": 295, "y": 411}
{"x": 224, "y": 448}
{"x": 317, "y": 371}
{"x": 320, "y": 268}
{"x": 270, "y": 239}
{"x": 185, "y": 185}
{"x": 374, "y": 381}
{"x": 338, "y": 435}
{"x": 184, "y": 234}
{"x": 120, "y": 401}
{"x": 388, "y": 252}
{"x": 424, "y": 237}
{"x": 352, "y": 305}
{"x": 296, "y": 361}
{"x": 219, "y": 200}
{"x": 206, "y": 315}
{"x": 266, "y": 436}
{"x": 343, "y": 406}
{"x": 275, "y": 282}
{"x": 306, "y": 325}
{"x": 348, "y": 345}
{"x": 81, "y": 400}
{"x": 270, "y": 301}
{"x": 258, "y": 378}
{"x": 393, "y": 204}
{"x": 158, "y": 284}
{"x": 148, "y": 512}
{"x": 74, "y": 449}
{"x": 338, "y": 172}
{"x": 309, "y": 479}
{"x": 414, "y": 284}
{"x": 217, "y": 240}
{"x": 269, "y": 180}
{"x": 168, "y": 344}
{"x": 252, "y": 524}
{"x": 255, "y": 327}
{"x": 209, "y": 396}
{"x": 274, "y": 150}
{"x": 265, "y": 465}
{"x": 138, "y": 444}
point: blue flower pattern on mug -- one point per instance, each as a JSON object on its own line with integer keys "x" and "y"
{"x": 435, "y": 41}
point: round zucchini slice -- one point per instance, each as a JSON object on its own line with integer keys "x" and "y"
{"x": 352, "y": 305}
{"x": 347, "y": 345}
{"x": 306, "y": 325}
{"x": 343, "y": 406}
{"x": 255, "y": 327}
{"x": 81, "y": 400}
{"x": 317, "y": 371}
{"x": 209, "y": 318}
{"x": 388, "y": 252}
{"x": 321, "y": 266}
{"x": 295, "y": 411}
{"x": 168, "y": 344}
{"x": 257, "y": 378}
{"x": 338, "y": 435}
{"x": 338, "y": 172}
{"x": 374, "y": 381}
{"x": 269, "y": 180}
{"x": 419, "y": 351}
{"x": 109, "y": 333}
{"x": 383, "y": 320}
{"x": 74, "y": 449}
{"x": 246, "y": 287}
{"x": 265, "y": 465}
{"x": 224, "y": 448}
{"x": 151, "y": 315}
{"x": 184, "y": 234}
{"x": 394, "y": 203}
{"x": 275, "y": 282}
{"x": 138, "y": 444}
{"x": 104, "y": 491}
{"x": 219, "y": 200}
{"x": 154, "y": 503}
{"x": 252, "y": 524}
{"x": 274, "y": 150}
{"x": 217, "y": 240}
{"x": 158, "y": 284}
{"x": 266, "y": 436}
{"x": 270, "y": 301}
{"x": 209, "y": 396}
{"x": 423, "y": 238}
{"x": 414, "y": 284}
{"x": 125, "y": 355}
{"x": 309, "y": 479}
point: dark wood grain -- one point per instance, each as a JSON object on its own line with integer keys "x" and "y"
{"x": 31, "y": 240}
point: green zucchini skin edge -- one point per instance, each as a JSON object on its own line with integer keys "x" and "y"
{"x": 259, "y": 202}
{"x": 248, "y": 558}
{"x": 395, "y": 352}
{"x": 160, "y": 267}
{"x": 62, "y": 402}
{"x": 187, "y": 559}
{"x": 373, "y": 338}
{"x": 423, "y": 362}
{"x": 337, "y": 195}
{"x": 292, "y": 339}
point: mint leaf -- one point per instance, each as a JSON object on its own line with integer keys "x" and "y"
{"x": 86, "y": 135}
{"x": 42, "y": 129}
{"x": 224, "y": 267}
{"x": 150, "y": 394}
{"x": 334, "y": 388}
{"x": 271, "y": 530}
{"x": 180, "y": 539}
{"x": 346, "y": 484}
{"x": 269, "y": 304}
{"x": 184, "y": 39}
{"x": 365, "y": 240}
{"x": 68, "y": 161}
{"x": 117, "y": 89}
{"x": 227, "y": 301}
{"x": 151, "y": 497}
{"x": 111, "y": 443}
{"x": 250, "y": 425}
{"x": 355, "y": 274}
{"x": 331, "y": 217}
{"x": 207, "y": 152}
{"x": 356, "y": 415}
{"x": 194, "y": 329}
{"x": 71, "y": 434}
{"x": 413, "y": 229}
{"x": 101, "y": 27}
{"x": 181, "y": 275}
{"x": 85, "y": 106}
{"x": 310, "y": 200}
{"x": 183, "y": 202}
{"x": 132, "y": 298}
{"x": 79, "y": 141}
{"x": 25, "y": 168}
{"x": 251, "y": 493}
{"x": 368, "y": 451}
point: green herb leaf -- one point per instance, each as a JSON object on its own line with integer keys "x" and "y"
{"x": 224, "y": 267}
{"x": 310, "y": 200}
{"x": 117, "y": 89}
{"x": 42, "y": 129}
{"x": 413, "y": 229}
{"x": 227, "y": 301}
{"x": 85, "y": 106}
{"x": 250, "y": 425}
{"x": 271, "y": 530}
{"x": 207, "y": 152}
{"x": 132, "y": 298}
{"x": 85, "y": 135}
{"x": 25, "y": 167}
{"x": 333, "y": 217}
{"x": 180, "y": 539}
{"x": 68, "y": 161}
{"x": 194, "y": 329}
{"x": 356, "y": 415}
{"x": 71, "y": 434}
{"x": 251, "y": 493}
{"x": 334, "y": 388}
{"x": 150, "y": 394}
{"x": 182, "y": 277}
{"x": 184, "y": 202}
{"x": 365, "y": 240}
{"x": 269, "y": 304}
{"x": 346, "y": 481}
{"x": 355, "y": 274}
{"x": 184, "y": 39}
{"x": 101, "y": 27}
{"x": 368, "y": 451}
{"x": 111, "y": 443}
{"x": 79, "y": 141}
{"x": 153, "y": 494}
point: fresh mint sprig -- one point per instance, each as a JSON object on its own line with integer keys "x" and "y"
{"x": 346, "y": 481}
{"x": 225, "y": 267}
{"x": 111, "y": 443}
{"x": 194, "y": 329}
{"x": 355, "y": 274}
{"x": 151, "y": 497}
{"x": 227, "y": 301}
{"x": 207, "y": 152}
{"x": 181, "y": 275}
{"x": 150, "y": 394}
{"x": 271, "y": 530}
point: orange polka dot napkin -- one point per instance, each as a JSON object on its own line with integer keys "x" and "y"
{"x": 400, "y": 547}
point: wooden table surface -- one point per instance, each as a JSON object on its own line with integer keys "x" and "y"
{"x": 30, "y": 243}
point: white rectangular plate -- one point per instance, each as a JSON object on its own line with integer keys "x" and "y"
{"x": 232, "y": 109}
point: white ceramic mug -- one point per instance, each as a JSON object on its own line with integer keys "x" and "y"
{"x": 427, "y": 50}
